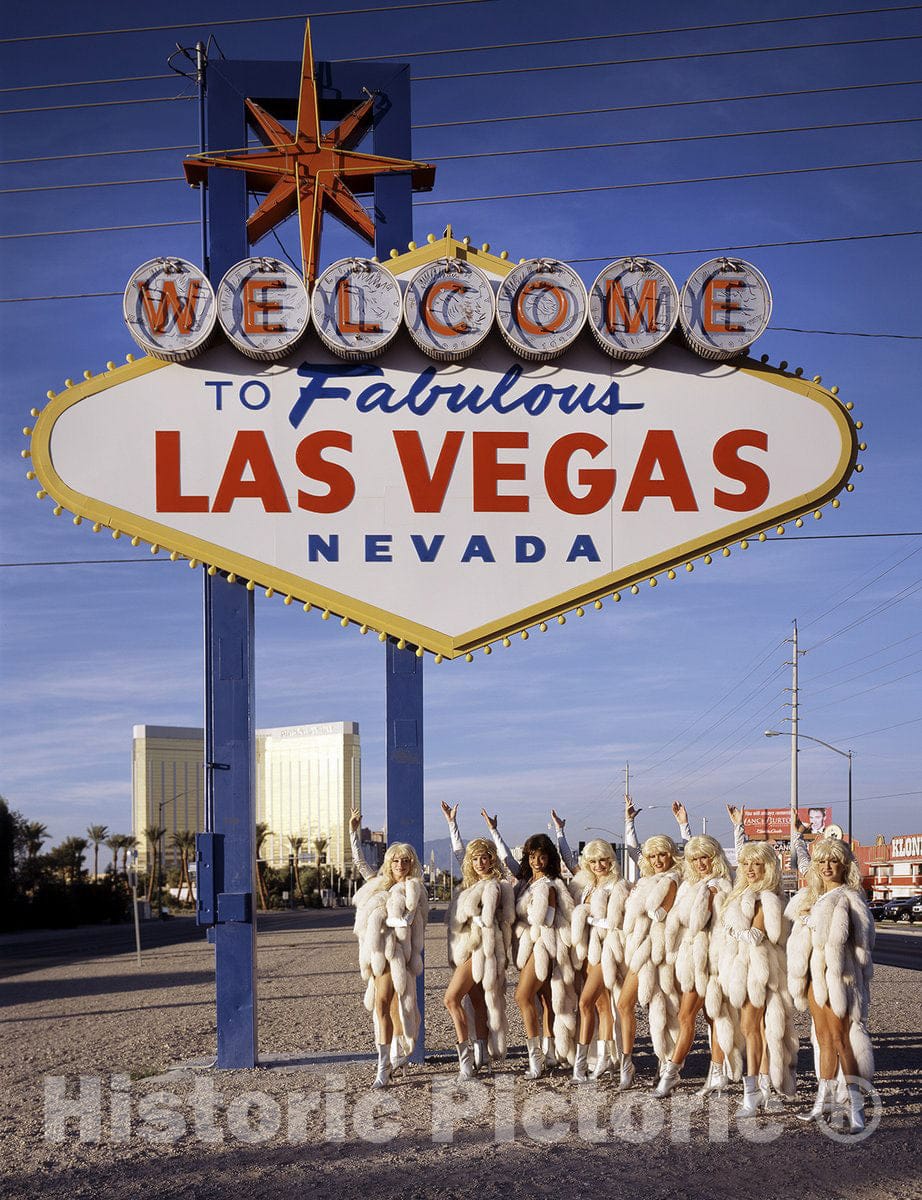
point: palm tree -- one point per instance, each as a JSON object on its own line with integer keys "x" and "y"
{"x": 97, "y": 835}
{"x": 72, "y": 850}
{"x": 262, "y": 832}
{"x": 320, "y": 844}
{"x": 114, "y": 843}
{"x": 296, "y": 843}
{"x": 184, "y": 842}
{"x": 152, "y": 835}
{"x": 35, "y": 834}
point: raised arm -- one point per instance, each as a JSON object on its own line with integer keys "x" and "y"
{"x": 568, "y": 857}
{"x": 799, "y": 852}
{"x": 355, "y": 822}
{"x": 505, "y": 855}
{"x": 457, "y": 846}
{"x": 739, "y": 833}
{"x": 632, "y": 845}
{"x": 680, "y": 812}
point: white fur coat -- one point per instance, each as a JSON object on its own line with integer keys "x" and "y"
{"x": 594, "y": 944}
{"x": 400, "y": 950}
{"x": 488, "y": 946}
{"x": 830, "y": 950}
{"x": 551, "y": 946}
{"x": 757, "y": 974}
{"x": 645, "y": 956}
{"x": 689, "y": 927}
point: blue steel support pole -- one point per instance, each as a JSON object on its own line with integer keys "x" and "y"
{"x": 229, "y": 609}
{"x": 403, "y": 670}
{"x": 229, "y": 685}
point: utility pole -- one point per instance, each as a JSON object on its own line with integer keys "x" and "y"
{"x": 794, "y": 718}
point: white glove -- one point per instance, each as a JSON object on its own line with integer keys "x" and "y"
{"x": 754, "y": 937}
{"x": 598, "y": 922}
{"x": 479, "y": 922}
{"x": 658, "y": 914}
{"x": 397, "y": 923}
{"x": 549, "y": 915}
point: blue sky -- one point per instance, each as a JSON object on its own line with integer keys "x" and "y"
{"x": 681, "y": 680}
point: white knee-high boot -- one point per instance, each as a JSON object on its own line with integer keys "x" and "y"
{"x": 753, "y": 1100}
{"x": 668, "y": 1080}
{"x": 581, "y": 1063}
{"x": 535, "y": 1058}
{"x": 383, "y": 1077}
{"x": 465, "y": 1060}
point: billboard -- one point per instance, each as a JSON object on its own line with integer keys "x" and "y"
{"x": 774, "y": 824}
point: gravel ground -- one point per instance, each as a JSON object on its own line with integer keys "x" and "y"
{"x": 154, "y": 1126}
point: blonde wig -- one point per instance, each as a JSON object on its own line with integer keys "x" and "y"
{"x": 400, "y": 850}
{"x": 593, "y": 851}
{"x": 703, "y": 845}
{"x": 829, "y": 850}
{"x": 479, "y": 846}
{"x": 763, "y": 852}
{"x": 658, "y": 844}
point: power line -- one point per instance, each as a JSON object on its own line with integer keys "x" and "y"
{"x": 42, "y": 87}
{"x": 644, "y": 33}
{"x": 857, "y": 592}
{"x": 494, "y": 120}
{"x": 864, "y": 691}
{"x": 882, "y": 607}
{"x": 863, "y": 674}
{"x": 65, "y": 187}
{"x": 900, "y": 337}
{"x": 588, "y": 112}
{"x": 12, "y": 112}
{"x": 698, "y": 137}
{"x": 314, "y": 16}
{"x": 96, "y": 229}
{"x": 11, "y": 162}
{"x": 864, "y": 657}
{"x": 663, "y": 58}
{"x": 624, "y": 187}
{"x": 539, "y": 150}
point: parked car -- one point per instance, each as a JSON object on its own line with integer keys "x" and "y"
{"x": 876, "y": 908}
{"x": 900, "y": 908}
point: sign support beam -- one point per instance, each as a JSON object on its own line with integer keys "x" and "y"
{"x": 229, "y": 613}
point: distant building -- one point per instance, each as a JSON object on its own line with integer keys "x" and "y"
{"x": 167, "y": 785}
{"x": 894, "y": 869}
{"x": 308, "y": 778}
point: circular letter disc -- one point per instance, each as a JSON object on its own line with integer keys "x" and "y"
{"x": 356, "y": 308}
{"x": 725, "y": 305}
{"x": 169, "y": 308}
{"x": 262, "y": 307}
{"x": 448, "y": 308}
{"x": 633, "y": 307}
{"x": 541, "y": 308}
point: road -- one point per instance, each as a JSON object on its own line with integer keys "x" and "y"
{"x": 897, "y": 946}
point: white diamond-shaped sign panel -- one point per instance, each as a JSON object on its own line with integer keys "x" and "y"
{"x": 448, "y": 504}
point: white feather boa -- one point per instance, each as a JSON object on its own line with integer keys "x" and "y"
{"x": 830, "y": 950}
{"x": 741, "y": 972}
{"x": 689, "y": 927}
{"x": 487, "y": 945}
{"x": 400, "y": 951}
{"x": 551, "y": 946}
{"x": 645, "y": 956}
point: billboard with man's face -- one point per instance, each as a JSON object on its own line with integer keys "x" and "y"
{"x": 774, "y": 824}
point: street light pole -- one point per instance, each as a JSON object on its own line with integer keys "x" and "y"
{"x": 835, "y": 749}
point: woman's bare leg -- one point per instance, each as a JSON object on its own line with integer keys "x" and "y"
{"x": 627, "y": 1012}
{"x": 689, "y": 1007}
{"x": 460, "y": 986}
